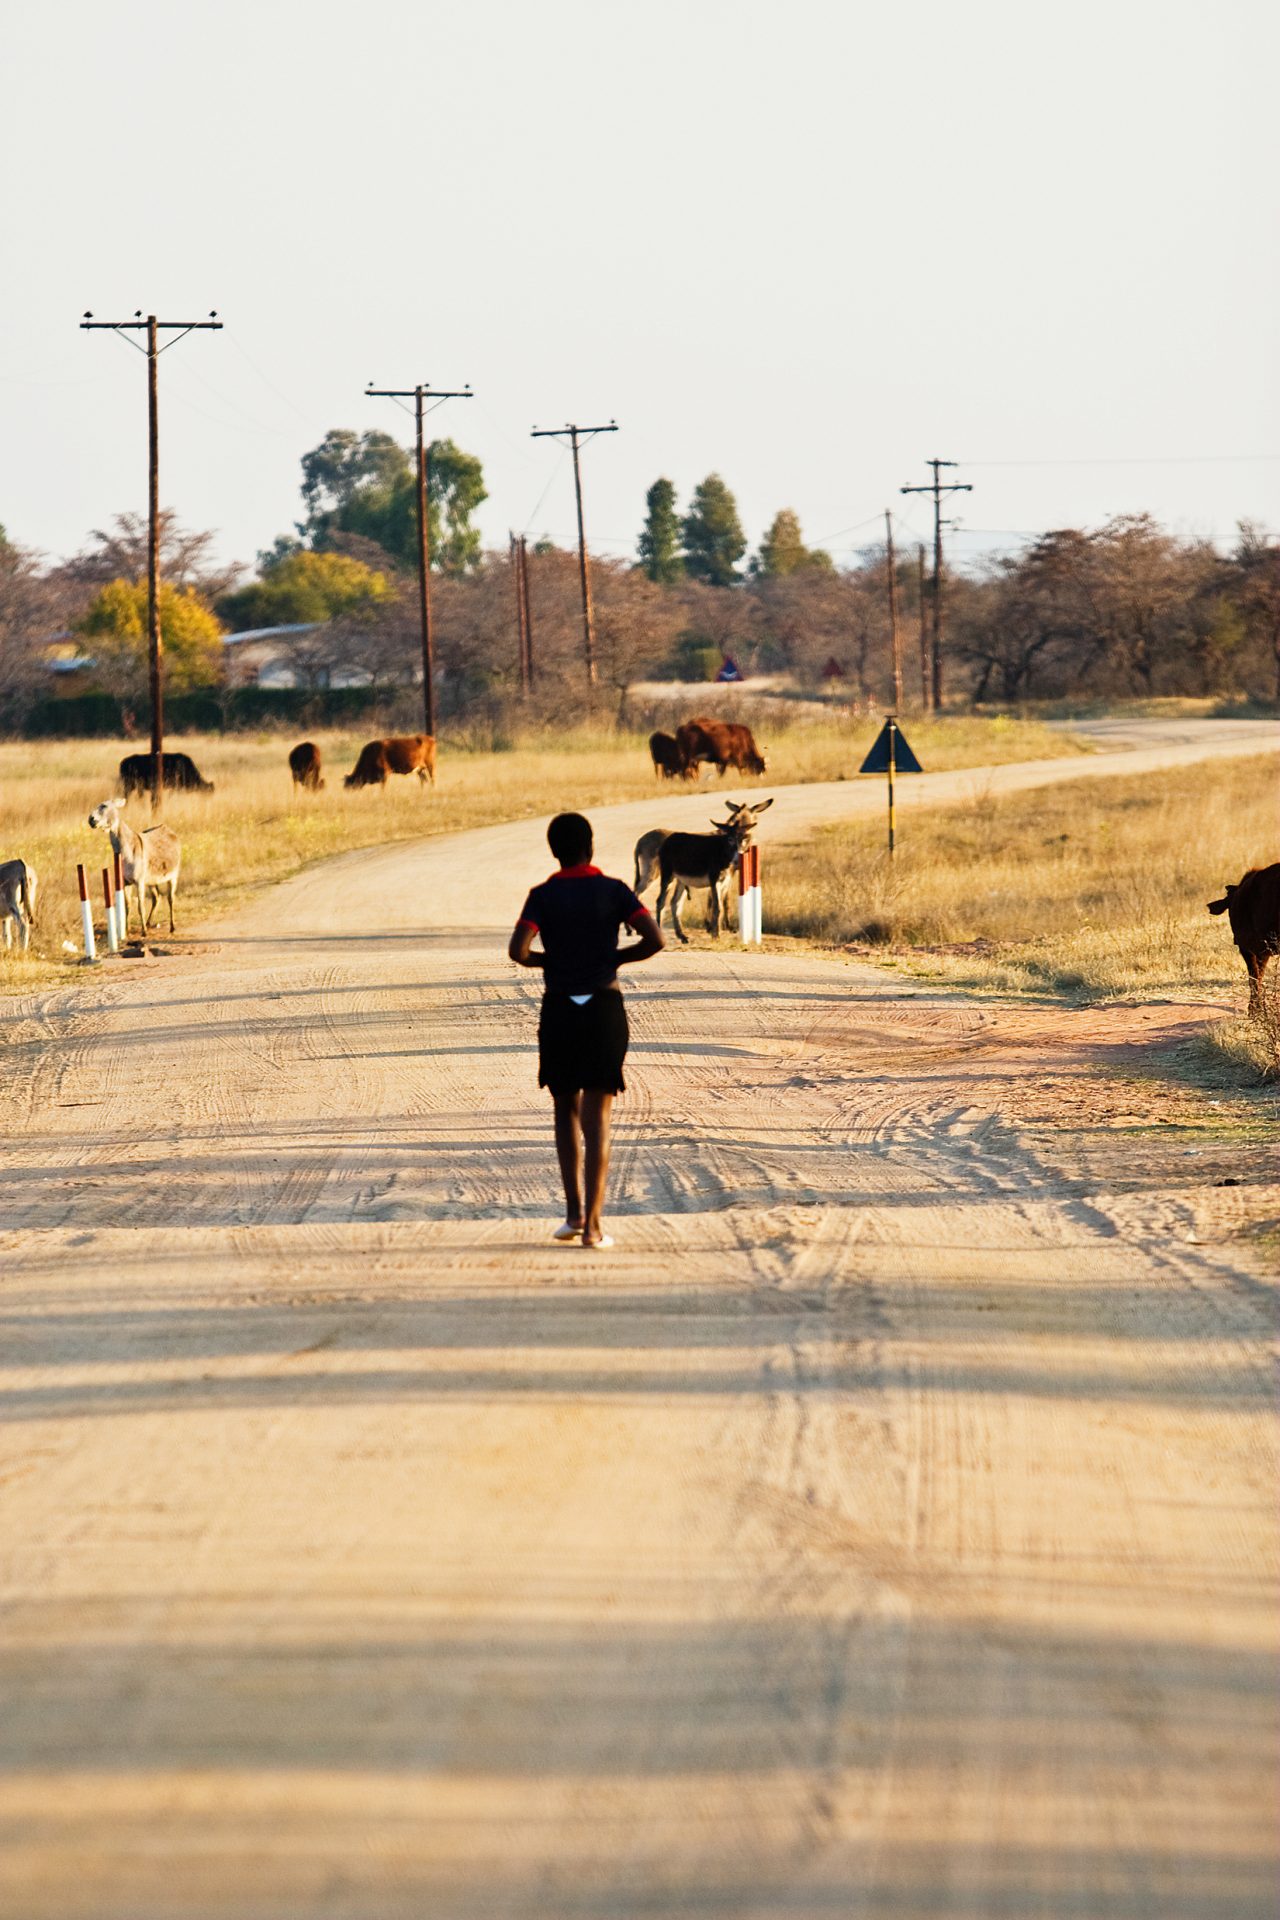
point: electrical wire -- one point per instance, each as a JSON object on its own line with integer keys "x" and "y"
{"x": 1136, "y": 460}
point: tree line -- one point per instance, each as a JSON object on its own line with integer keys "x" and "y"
{"x": 1121, "y": 610}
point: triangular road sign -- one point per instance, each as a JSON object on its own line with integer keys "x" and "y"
{"x": 904, "y": 761}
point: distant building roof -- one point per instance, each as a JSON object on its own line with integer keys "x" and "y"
{"x": 269, "y": 633}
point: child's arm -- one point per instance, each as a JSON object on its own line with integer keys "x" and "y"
{"x": 518, "y": 947}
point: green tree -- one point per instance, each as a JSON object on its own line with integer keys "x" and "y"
{"x": 782, "y": 551}
{"x": 366, "y": 484}
{"x": 713, "y": 538}
{"x": 116, "y": 624}
{"x": 660, "y": 540}
{"x": 340, "y": 466}
{"x": 304, "y": 587}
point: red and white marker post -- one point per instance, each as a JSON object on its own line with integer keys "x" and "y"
{"x": 86, "y": 917}
{"x": 109, "y": 900}
{"x": 750, "y": 917}
{"x": 122, "y": 904}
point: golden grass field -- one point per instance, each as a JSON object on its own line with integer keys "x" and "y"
{"x": 1095, "y": 890}
{"x": 256, "y": 828}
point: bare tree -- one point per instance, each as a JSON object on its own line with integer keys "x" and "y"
{"x": 120, "y": 553}
{"x": 33, "y": 611}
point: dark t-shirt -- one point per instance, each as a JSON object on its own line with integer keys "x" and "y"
{"x": 578, "y": 912}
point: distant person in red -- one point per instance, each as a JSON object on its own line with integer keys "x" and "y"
{"x": 582, "y": 1033}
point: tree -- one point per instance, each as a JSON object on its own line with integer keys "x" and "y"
{"x": 340, "y": 466}
{"x": 303, "y": 587}
{"x": 120, "y": 553}
{"x": 32, "y": 612}
{"x": 660, "y": 541}
{"x": 116, "y": 623}
{"x": 1256, "y": 563}
{"x": 713, "y": 538}
{"x": 782, "y": 551}
{"x": 366, "y": 484}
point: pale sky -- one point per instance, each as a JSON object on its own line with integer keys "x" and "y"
{"x": 805, "y": 245}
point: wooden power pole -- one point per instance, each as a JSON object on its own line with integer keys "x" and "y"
{"x": 420, "y": 395}
{"x": 937, "y": 489}
{"x": 153, "y": 328}
{"x": 527, "y": 607}
{"x": 576, "y": 436}
{"x": 926, "y": 677}
{"x": 522, "y": 638}
{"x": 895, "y": 637}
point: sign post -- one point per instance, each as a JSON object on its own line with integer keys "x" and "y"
{"x": 891, "y": 755}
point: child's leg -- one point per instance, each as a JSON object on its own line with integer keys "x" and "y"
{"x": 596, "y": 1112}
{"x": 569, "y": 1153}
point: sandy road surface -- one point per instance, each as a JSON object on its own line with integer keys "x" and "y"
{"x": 884, "y": 1529}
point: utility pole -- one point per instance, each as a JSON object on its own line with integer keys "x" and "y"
{"x": 153, "y": 328}
{"x": 579, "y": 435}
{"x": 527, "y": 606}
{"x": 419, "y": 395}
{"x": 893, "y": 611}
{"x": 937, "y": 489}
{"x": 926, "y": 678}
{"x": 522, "y": 638}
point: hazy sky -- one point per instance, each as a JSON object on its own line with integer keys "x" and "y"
{"x": 806, "y": 245}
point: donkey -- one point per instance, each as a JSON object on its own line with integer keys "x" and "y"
{"x": 17, "y": 901}
{"x": 149, "y": 861}
{"x": 689, "y": 860}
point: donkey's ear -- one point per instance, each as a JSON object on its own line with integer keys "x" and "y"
{"x": 762, "y": 806}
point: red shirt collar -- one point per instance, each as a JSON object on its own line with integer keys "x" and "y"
{"x": 575, "y": 873}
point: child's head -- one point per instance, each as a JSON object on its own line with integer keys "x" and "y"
{"x": 569, "y": 837}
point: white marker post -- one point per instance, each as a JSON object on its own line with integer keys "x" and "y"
{"x": 86, "y": 919}
{"x": 750, "y": 915}
{"x": 113, "y": 943}
{"x": 122, "y": 902}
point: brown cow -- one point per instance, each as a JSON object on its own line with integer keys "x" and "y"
{"x": 404, "y": 753}
{"x": 667, "y": 758}
{"x": 1253, "y": 908}
{"x": 304, "y": 765}
{"x": 722, "y": 743}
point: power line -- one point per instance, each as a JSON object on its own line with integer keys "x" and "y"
{"x": 1138, "y": 460}
{"x": 153, "y": 328}
{"x": 577, "y": 435}
{"x": 419, "y": 395}
{"x": 937, "y": 489}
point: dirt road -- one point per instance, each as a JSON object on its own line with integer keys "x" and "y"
{"x": 885, "y": 1528}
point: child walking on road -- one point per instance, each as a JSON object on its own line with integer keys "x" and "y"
{"x": 582, "y": 1032}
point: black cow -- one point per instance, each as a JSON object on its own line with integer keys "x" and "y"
{"x": 181, "y": 774}
{"x": 1253, "y": 908}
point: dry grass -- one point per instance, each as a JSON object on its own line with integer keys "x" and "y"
{"x": 1090, "y": 891}
{"x": 1240, "y": 1049}
{"x": 255, "y": 829}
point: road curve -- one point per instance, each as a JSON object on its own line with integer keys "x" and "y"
{"x": 885, "y": 1528}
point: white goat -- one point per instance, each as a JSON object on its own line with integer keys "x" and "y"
{"x": 149, "y": 861}
{"x": 17, "y": 901}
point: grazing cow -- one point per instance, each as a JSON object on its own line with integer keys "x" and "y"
{"x": 721, "y": 743}
{"x": 668, "y": 760}
{"x": 181, "y": 774}
{"x": 17, "y": 901}
{"x": 304, "y": 765}
{"x": 689, "y": 860}
{"x": 149, "y": 862}
{"x": 1252, "y": 906}
{"x": 405, "y": 753}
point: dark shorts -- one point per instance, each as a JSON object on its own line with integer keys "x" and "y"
{"x": 580, "y": 1047}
